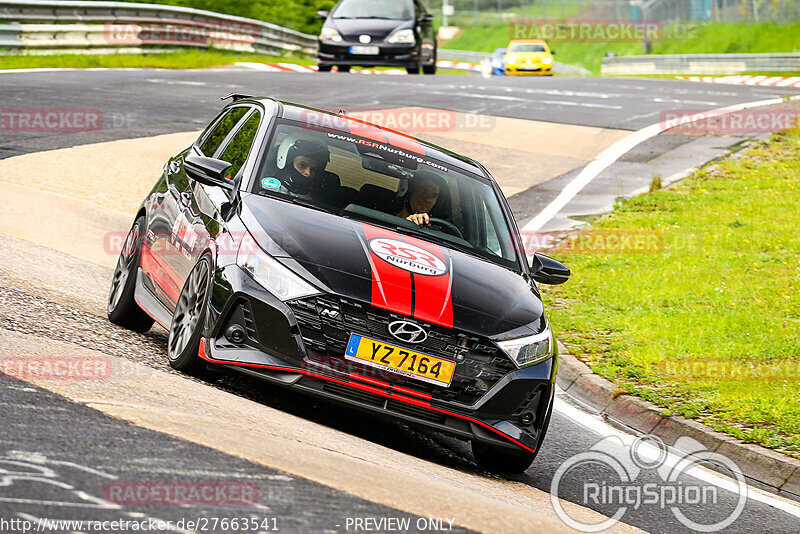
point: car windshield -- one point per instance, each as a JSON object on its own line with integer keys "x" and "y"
{"x": 355, "y": 176}
{"x": 374, "y": 9}
{"x": 527, "y": 48}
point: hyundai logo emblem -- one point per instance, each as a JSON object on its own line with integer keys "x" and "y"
{"x": 408, "y": 332}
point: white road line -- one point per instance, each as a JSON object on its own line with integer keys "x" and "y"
{"x": 617, "y": 150}
{"x": 527, "y": 101}
{"x": 598, "y": 426}
{"x": 175, "y": 82}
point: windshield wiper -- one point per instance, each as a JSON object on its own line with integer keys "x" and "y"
{"x": 308, "y": 204}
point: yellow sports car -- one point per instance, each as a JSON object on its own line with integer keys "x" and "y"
{"x": 530, "y": 56}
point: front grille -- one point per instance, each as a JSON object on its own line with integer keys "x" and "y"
{"x": 415, "y": 411}
{"x": 326, "y": 323}
{"x": 364, "y": 397}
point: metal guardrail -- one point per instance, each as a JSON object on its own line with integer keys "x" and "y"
{"x": 9, "y": 35}
{"x": 55, "y": 24}
{"x": 700, "y": 63}
{"x": 477, "y": 57}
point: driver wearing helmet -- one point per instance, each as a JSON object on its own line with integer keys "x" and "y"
{"x": 426, "y": 191}
{"x": 305, "y": 162}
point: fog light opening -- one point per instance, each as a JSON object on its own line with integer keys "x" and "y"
{"x": 235, "y": 334}
{"x": 527, "y": 418}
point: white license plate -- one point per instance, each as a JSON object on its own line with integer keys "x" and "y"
{"x": 365, "y": 50}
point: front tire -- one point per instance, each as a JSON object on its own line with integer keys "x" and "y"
{"x": 414, "y": 69}
{"x": 323, "y": 68}
{"x": 431, "y": 69}
{"x": 343, "y": 68}
{"x": 122, "y": 307}
{"x": 501, "y": 460}
{"x": 189, "y": 318}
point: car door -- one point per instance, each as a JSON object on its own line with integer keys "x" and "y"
{"x": 175, "y": 237}
{"x": 204, "y": 213}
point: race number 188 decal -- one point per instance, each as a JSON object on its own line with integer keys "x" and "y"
{"x": 407, "y": 256}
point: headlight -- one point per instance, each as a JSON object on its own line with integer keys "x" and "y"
{"x": 547, "y": 60}
{"x": 271, "y": 274}
{"x": 510, "y": 60}
{"x": 329, "y": 34}
{"x": 530, "y": 350}
{"x": 402, "y": 37}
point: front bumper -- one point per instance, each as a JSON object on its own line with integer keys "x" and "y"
{"x": 529, "y": 70}
{"x": 390, "y": 55}
{"x": 276, "y": 351}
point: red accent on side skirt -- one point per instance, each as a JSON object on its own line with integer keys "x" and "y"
{"x": 371, "y": 380}
{"x": 382, "y": 393}
{"x": 412, "y": 392}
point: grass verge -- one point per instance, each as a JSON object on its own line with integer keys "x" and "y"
{"x": 710, "y": 38}
{"x": 189, "y": 59}
{"x": 708, "y": 325}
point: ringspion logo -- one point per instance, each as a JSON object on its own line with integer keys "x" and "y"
{"x": 612, "y": 475}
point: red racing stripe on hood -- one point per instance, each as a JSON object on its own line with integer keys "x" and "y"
{"x": 391, "y": 285}
{"x": 432, "y": 294}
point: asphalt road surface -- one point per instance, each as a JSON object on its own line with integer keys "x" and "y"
{"x": 62, "y": 452}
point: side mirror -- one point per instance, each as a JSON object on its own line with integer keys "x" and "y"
{"x": 208, "y": 171}
{"x": 546, "y": 270}
{"x": 322, "y": 14}
{"x": 426, "y": 17}
{"x": 552, "y": 52}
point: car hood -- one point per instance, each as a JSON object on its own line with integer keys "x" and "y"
{"x": 377, "y": 29}
{"x": 394, "y": 271}
{"x": 528, "y": 55}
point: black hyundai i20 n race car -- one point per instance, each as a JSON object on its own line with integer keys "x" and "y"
{"x": 282, "y": 244}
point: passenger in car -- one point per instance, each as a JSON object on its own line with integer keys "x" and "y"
{"x": 426, "y": 192}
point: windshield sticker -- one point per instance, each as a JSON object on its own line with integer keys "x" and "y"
{"x": 389, "y": 149}
{"x": 270, "y": 183}
{"x": 407, "y": 256}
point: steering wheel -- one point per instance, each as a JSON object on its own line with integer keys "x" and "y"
{"x": 447, "y": 226}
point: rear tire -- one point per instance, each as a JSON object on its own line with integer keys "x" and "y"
{"x": 122, "y": 307}
{"x": 344, "y": 68}
{"x": 323, "y": 68}
{"x": 189, "y": 319}
{"x": 501, "y": 460}
{"x": 413, "y": 70}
